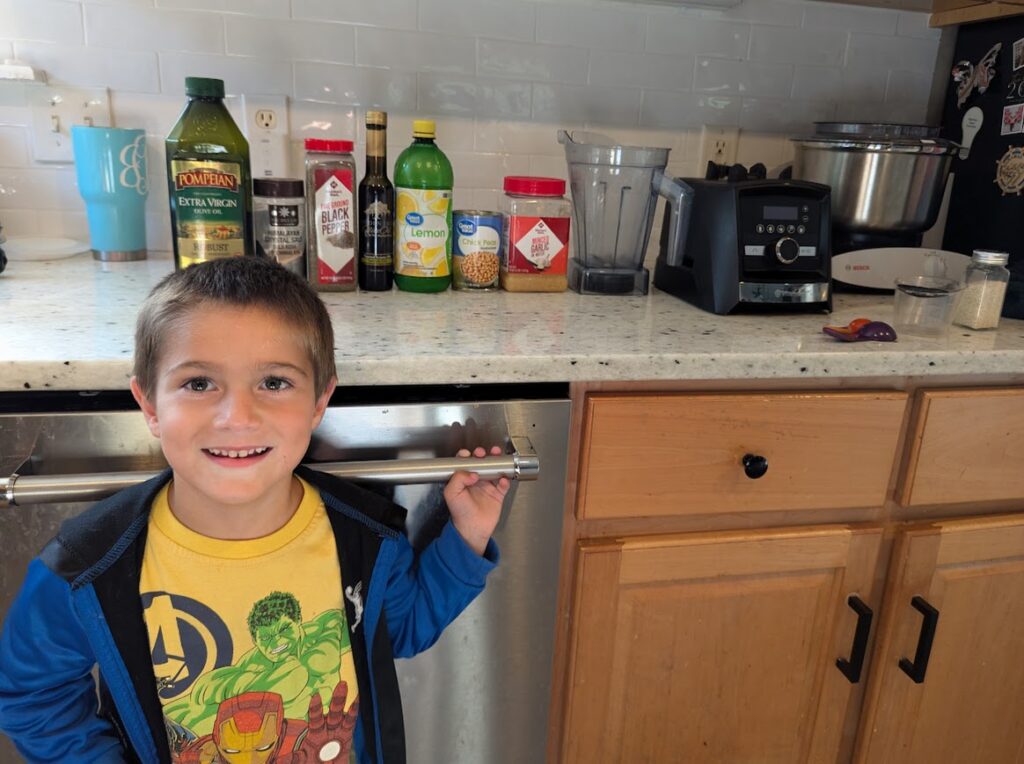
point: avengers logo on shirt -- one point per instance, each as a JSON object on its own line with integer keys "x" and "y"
{"x": 191, "y": 640}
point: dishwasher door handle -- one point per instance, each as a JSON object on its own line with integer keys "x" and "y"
{"x": 522, "y": 464}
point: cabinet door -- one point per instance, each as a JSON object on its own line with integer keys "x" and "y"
{"x": 717, "y": 647}
{"x": 965, "y": 706}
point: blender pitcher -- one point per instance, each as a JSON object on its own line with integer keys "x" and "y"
{"x": 614, "y": 194}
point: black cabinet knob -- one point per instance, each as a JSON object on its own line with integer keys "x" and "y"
{"x": 754, "y": 466}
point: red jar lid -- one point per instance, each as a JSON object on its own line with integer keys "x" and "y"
{"x": 534, "y": 186}
{"x": 332, "y": 147}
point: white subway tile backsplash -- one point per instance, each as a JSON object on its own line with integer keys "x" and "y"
{"x": 549, "y": 167}
{"x": 41, "y": 21}
{"x": 731, "y": 77}
{"x": 397, "y": 14}
{"x": 13, "y": 146}
{"x": 241, "y": 75}
{"x": 499, "y": 77}
{"x": 476, "y": 170}
{"x": 467, "y": 96}
{"x": 359, "y": 86}
{"x": 600, "y": 28}
{"x": 19, "y": 222}
{"x": 413, "y": 51}
{"x": 277, "y": 9}
{"x": 478, "y": 18}
{"x": 317, "y": 120}
{"x": 779, "y": 114}
{"x": 777, "y": 12}
{"x": 155, "y": 114}
{"x": 133, "y": 28}
{"x": 910, "y": 54}
{"x": 510, "y": 137}
{"x": 686, "y": 34}
{"x": 796, "y": 46}
{"x": 815, "y": 83}
{"x": 669, "y": 110}
{"x": 524, "y": 61}
{"x": 585, "y": 103}
{"x": 127, "y": 70}
{"x": 296, "y": 40}
{"x": 916, "y": 25}
{"x": 832, "y": 16}
{"x": 908, "y": 87}
{"x": 616, "y": 68}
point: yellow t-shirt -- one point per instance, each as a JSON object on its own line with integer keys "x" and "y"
{"x": 243, "y": 632}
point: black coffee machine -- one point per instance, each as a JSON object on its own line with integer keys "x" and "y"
{"x": 753, "y": 245}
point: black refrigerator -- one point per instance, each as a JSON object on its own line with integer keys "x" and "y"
{"x": 986, "y": 86}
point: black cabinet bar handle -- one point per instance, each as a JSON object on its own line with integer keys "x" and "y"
{"x": 851, "y": 668}
{"x": 754, "y": 466}
{"x": 917, "y": 669}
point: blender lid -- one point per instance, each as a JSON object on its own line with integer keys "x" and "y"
{"x": 593, "y": 148}
{"x": 878, "y": 136}
{"x": 876, "y": 130}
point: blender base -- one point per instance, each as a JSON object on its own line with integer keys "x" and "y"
{"x": 625, "y": 281}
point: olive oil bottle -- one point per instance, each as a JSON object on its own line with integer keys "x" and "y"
{"x": 209, "y": 180}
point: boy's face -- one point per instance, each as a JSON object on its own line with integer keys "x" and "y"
{"x": 233, "y": 380}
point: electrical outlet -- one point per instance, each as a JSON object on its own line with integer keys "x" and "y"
{"x": 265, "y": 122}
{"x": 55, "y": 109}
{"x": 717, "y": 144}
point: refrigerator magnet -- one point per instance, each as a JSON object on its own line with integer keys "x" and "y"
{"x": 1018, "y": 54}
{"x": 970, "y": 125}
{"x": 1010, "y": 171}
{"x": 967, "y": 76}
{"x": 1013, "y": 119}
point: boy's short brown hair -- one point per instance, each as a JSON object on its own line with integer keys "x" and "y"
{"x": 241, "y": 282}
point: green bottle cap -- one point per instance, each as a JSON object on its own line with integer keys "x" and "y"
{"x": 204, "y": 87}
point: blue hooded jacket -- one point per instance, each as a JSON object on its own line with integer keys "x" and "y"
{"x": 80, "y": 607}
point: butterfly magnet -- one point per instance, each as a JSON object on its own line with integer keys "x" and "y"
{"x": 969, "y": 77}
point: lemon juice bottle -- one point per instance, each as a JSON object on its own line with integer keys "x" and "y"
{"x": 423, "y": 214}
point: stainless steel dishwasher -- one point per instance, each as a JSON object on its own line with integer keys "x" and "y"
{"x": 481, "y": 694}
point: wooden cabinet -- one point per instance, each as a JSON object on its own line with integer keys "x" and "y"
{"x": 716, "y": 647}
{"x": 680, "y": 454}
{"x": 967, "y": 445}
{"x": 964, "y": 704}
{"x": 720, "y": 644}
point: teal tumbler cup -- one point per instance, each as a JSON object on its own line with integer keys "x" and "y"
{"x": 110, "y": 164}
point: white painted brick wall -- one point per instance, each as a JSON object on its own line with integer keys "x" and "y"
{"x": 500, "y": 76}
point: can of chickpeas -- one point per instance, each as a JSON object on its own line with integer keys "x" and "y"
{"x": 476, "y": 251}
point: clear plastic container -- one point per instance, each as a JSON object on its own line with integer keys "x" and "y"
{"x": 535, "y": 252}
{"x": 985, "y": 284}
{"x": 331, "y": 207}
{"x": 925, "y": 305}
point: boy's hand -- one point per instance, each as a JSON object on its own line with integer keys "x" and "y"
{"x": 475, "y": 504}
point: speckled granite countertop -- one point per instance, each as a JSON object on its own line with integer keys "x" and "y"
{"x": 67, "y": 325}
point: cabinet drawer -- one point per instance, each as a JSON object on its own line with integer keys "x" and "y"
{"x": 682, "y": 454}
{"x": 968, "y": 446}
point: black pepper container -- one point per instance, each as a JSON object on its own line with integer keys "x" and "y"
{"x": 376, "y": 210}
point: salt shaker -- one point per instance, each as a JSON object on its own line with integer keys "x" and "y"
{"x": 984, "y": 289}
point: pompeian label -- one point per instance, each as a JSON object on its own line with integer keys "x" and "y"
{"x": 210, "y": 209}
{"x": 334, "y": 227}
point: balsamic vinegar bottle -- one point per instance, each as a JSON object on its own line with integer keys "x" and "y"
{"x": 376, "y": 210}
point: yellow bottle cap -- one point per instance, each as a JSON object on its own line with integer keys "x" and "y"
{"x": 423, "y": 128}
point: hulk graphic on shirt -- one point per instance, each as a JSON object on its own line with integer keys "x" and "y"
{"x": 290, "y": 658}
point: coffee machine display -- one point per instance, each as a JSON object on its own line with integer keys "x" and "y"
{"x": 752, "y": 245}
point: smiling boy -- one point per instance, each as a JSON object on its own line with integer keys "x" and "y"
{"x": 239, "y": 607}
